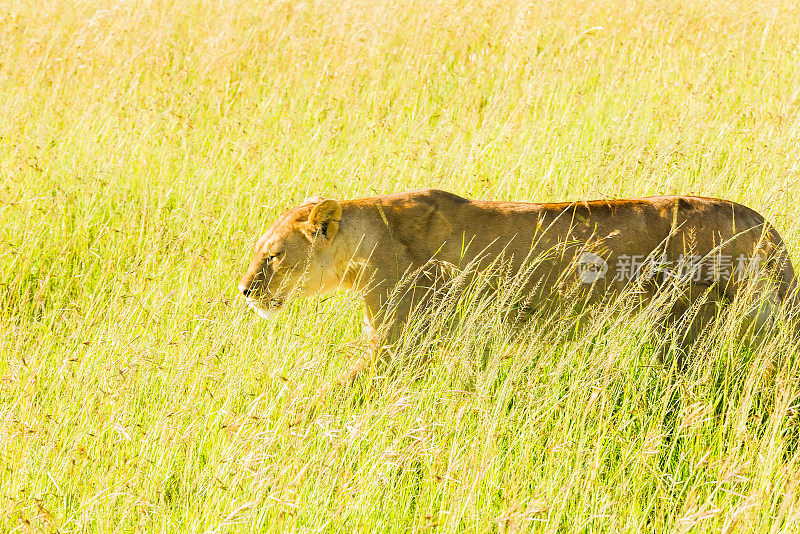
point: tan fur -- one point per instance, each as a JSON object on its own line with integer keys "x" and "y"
{"x": 368, "y": 244}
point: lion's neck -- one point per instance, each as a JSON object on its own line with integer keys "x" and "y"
{"x": 353, "y": 247}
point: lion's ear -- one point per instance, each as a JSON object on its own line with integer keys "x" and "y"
{"x": 312, "y": 200}
{"x": 323, "y": 221}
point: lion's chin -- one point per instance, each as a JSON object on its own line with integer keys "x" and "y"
{"x": 264, "y": 314}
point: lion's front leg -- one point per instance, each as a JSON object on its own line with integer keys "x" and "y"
{"x": 381, "y": 331}
{"x": 387, "y": 310}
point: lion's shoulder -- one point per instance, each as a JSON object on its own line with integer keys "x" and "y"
{"x": 427, "y": 196}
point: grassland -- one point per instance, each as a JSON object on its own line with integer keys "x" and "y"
{"x": 143, "y": 147}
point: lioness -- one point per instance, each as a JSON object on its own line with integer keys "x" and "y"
{"x": 713, "y": 247}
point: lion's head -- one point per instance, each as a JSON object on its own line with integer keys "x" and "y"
{"x": 293, "y": 258}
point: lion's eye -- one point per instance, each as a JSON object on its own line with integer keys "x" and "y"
{"x": 273, "y": 257}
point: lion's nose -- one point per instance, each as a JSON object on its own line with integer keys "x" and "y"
{"x": 244, "y": 289}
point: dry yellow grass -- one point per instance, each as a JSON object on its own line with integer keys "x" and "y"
{"x": 144, "y": 145}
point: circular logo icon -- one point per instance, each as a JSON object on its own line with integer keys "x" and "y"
{"x": 591, "y": 267}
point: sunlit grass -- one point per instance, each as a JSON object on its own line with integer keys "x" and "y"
{"x": 144, "y": 146}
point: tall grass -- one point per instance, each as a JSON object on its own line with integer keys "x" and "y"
{"x": 143, "y": 147}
